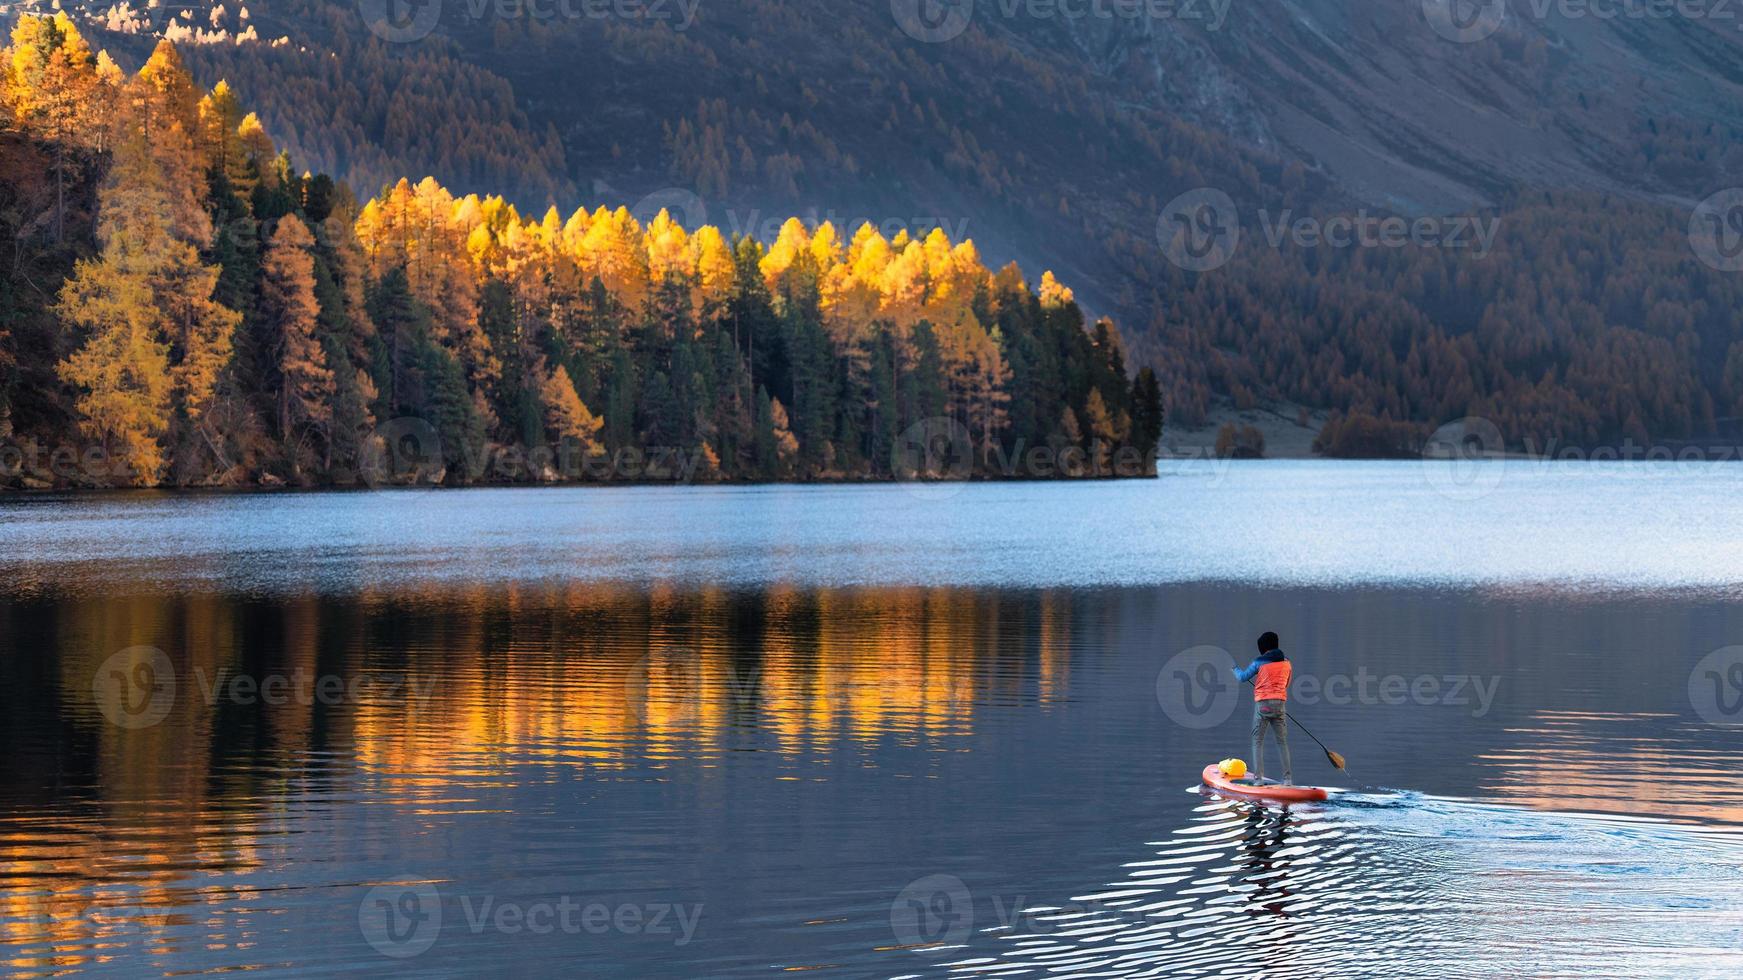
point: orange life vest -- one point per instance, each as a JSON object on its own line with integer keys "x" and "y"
{"x": 1272, "y": 682}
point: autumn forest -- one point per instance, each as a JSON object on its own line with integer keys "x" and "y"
{"x": 187, "y": 308}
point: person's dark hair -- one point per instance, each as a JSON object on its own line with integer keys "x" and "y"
{"x": 1268, "y": 642}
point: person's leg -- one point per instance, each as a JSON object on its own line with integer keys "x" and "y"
{"x": 1271, "y": 715}
{"x": 1259, "y": 725}
{"x": 1282, "y": 724}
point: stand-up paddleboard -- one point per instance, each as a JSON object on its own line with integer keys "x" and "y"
{"x": 1259, "y": 793}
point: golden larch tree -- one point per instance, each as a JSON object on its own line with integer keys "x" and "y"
{"x": 565, "y": 414}
{"x": 290, "y": 315}
{"x": 55, "y": 92}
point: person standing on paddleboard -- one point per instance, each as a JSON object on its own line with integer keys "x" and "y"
{"x": 1270, "y": 673}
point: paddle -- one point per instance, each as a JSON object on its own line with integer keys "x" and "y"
{"x": 1336, "y": 760}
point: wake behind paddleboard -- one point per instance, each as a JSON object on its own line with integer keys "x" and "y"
{"x": 1268, "y": 793}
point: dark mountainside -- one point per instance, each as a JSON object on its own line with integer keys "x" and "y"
{"x": 1060, "y": 142}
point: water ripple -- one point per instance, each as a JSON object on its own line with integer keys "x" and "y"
{"x": 1394, "y": 883}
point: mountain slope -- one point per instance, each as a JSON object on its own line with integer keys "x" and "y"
{"x": 1399, "y": 115}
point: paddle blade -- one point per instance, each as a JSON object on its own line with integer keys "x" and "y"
{"x": 1336, "y": 760}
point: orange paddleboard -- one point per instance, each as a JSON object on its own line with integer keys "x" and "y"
{"x": 1241, "y": 790}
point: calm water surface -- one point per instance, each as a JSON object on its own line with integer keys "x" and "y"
{"x": 879, "y": 731}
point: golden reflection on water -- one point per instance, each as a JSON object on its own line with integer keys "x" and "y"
{"x": 1615, "y": 762}
{"x": 447, "y": 687}
{"x": 658, "y": 678}
{"x": 81, "y": 885}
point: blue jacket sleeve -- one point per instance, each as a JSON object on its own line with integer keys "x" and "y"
{"x": 1248, "y": 672}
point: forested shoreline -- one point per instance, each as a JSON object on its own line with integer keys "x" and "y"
{"x": 184, "y": 308}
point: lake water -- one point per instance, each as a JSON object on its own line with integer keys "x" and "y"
{"x": 878, "y": 730}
